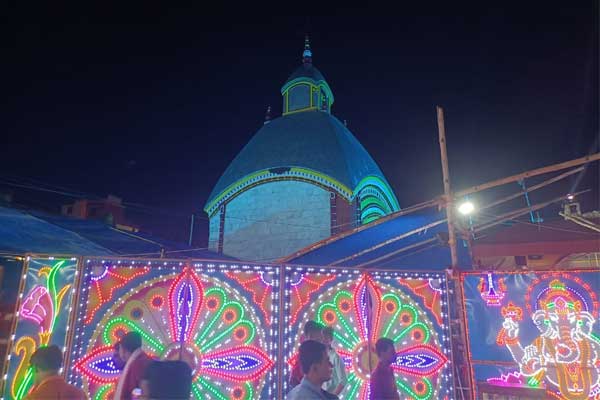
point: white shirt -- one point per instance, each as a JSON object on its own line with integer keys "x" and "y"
{"x": 338, "y": 375}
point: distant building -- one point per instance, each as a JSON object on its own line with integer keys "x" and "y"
{"x": 302, "y": 178}
{"x": 109, "y": 210}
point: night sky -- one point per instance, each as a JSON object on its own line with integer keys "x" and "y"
{"x": 151, "y": 104}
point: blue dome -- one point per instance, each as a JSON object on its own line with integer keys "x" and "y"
{"x": 307, "y": 71}
{"x": 311, "y": 140}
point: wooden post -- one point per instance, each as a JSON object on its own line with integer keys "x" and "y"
{"x": 191, "y": 230}
{"x": 449, "y": 205}
{"x": 447, "y": 193}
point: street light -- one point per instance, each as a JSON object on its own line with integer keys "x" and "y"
{"x": 466, "y": 208}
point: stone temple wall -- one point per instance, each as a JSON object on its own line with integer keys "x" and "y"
{"x": 273, "y": 220}
{"x": 213, "y": 232}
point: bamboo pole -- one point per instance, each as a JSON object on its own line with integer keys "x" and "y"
{"x": 532, "y": 188}
{"x": 447, "y": 193}
{"x": 529, "y": 174}
{"x": 581, "y": 221}
{"x": 449, "y": 205}
{"x": 517, "y": 213}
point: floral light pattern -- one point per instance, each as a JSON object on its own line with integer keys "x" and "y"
{"x": 363, "y": 310}
{"x": 190, "y": 317}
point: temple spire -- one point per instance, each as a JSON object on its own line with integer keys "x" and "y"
{"x": 307, "y": 54}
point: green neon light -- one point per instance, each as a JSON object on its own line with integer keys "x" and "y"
{"x": 320, "y": 84}
{"x": 249, "y": 391}
{"x": 206, "y": 346}
{"x": 411, "y": 327}
{"x": 228, "y": 331}
{"x": 201, "y": 381}
{"x": 220, "y": 293}
{"x": 595, "y": 337}
{"x": 52, "y": 290}
{"x": 337, "y": 335}
{"x": 411, "y": 393}
{"x": 533, "y": 382}
{"x": 156, "y": 346}
{"x": 382, "y": 186}
{"x": 101, "y": 392}
{"x": 25, "y": 384}
{"x": 370, "y": 200}
{"x": 341, "y": 318}
{"x": 372, "y": 215}
{"x": 410, "y": 309}
{"x": 265, "y": 174}
{"x": 356, "y": 383}
{"x": 196, "y": 392}
{"x": 396, "y": 300}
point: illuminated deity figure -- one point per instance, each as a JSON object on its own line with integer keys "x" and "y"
{"x": 566, "y": 354}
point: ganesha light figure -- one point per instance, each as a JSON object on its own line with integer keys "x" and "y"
{"x": 565, "y": 354}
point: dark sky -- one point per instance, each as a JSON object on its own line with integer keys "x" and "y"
{"x": 152, "y": 103}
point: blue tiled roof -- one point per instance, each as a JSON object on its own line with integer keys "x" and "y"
{"x": 38, "y": 232}
{"x": 311, "y": 139}
{"x": 307, "y": 71}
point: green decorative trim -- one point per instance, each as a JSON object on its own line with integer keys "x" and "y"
{"x": 301, "y": 110}
{"x": 376, "y": 199}
{"x": 312, "y": 82}
{"x": 313, "y": 86}
{"x": 383, "y": 186}
{"x": 294, "y": 173}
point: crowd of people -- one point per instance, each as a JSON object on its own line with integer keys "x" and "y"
{"x": 142, "y": 378}
{"x": 318, "y": 374}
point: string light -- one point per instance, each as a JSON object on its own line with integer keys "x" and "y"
{"x": 343, "y": 303}
{"x": 229, "y": 316}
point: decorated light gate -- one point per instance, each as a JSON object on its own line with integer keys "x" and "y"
{"x": 535, "y": 331}
{"x": 237, "y": 325}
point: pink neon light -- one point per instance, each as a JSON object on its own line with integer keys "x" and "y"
{"x": 510, "y": 379}
{"x": 37, "y": 307}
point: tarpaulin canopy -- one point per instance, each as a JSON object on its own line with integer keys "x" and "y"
{"x": 37, "y": 232}
{"x": 415, "y": 241}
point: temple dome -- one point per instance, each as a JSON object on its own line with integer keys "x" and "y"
{"x": 310, "y": 146}
{"x": 306, "y": 71}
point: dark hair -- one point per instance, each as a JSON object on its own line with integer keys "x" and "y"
{"x": 131, "y": 341}
{"x": 383, "y": 344}
{"x": 170, "y": 380}
{"x": 311, "y": 352}
{"x": 311, "y": 327}
{"x": 47, "y": 358}
{"x": 328, "y": 331}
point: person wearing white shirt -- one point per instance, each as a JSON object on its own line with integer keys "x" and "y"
{"x": 338, "y": 377}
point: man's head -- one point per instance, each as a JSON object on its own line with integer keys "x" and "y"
{"x": 128, "y": 344}
{"x": 313, "y": 331}
{"x": 328, "y": 335}
{"x": 386, "y": 352}
{"x": 119, "y": 363}
{"x": 46, "y": 361}
{"x": 170, "y": 380}
{"x": 315, "y": 362}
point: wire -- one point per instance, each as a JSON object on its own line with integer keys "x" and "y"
{"x": 540, "y": 225}
{"x": 165, "y": 252}
{"x": 154, "y": 210}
